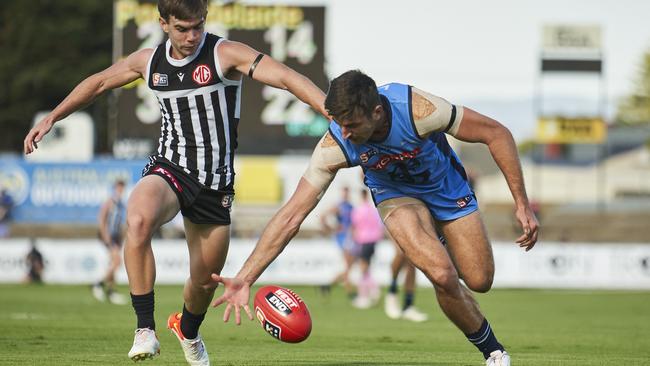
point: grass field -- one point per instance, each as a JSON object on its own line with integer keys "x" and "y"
{"x": 64, "y": 325}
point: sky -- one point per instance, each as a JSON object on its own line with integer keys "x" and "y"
{"x": 485, "y": 53}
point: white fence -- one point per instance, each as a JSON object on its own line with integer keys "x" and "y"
{"x": 548, "y": 265}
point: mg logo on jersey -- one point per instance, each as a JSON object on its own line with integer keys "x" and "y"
{"x": 202, "y": 75}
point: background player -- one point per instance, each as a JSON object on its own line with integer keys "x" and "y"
{"x": 341, "y": 213}
{"x": 392, "y": 306}
{"x": 111, "y": 219}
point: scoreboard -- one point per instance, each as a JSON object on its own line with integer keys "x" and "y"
{"x": 273, "y": 121}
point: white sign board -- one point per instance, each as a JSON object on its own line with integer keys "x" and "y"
{"x": 315, "y": 262}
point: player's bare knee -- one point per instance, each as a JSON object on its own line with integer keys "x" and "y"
{"x": 203, "y": 283}
{"x": 480, "y": 283}
{"x": 139, "y": 228}
{"x": 445, "y": 277}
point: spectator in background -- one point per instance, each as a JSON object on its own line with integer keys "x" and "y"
{"x": 367, "y": 230}
{"x": 342, "y": 213}
{"x": 35, "y": 265}
{"x": 6, "y": 205}
{"x": 111, "y": 219}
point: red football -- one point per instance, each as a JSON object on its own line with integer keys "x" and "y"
{"x": 282, "y": 314}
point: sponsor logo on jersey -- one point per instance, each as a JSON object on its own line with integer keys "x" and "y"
{"x": 160, "y": 79}
{"x": 227, "y": 199}
{"x": 202, "y": 75}
{"x": 180, "y": 76}
{"x": 277, "y": 303}
{"x": 386, "y": 159}
{"x": 221, "y": 170}
{"x": 367, "y": 155}
{"x": 463, "y": 202}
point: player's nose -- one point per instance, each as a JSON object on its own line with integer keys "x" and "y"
{"x": 194, "y": 35}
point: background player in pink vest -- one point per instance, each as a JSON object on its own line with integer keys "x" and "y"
{"x": 367, "y": 230}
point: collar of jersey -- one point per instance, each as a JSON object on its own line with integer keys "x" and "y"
{"x": 184, "y": 61}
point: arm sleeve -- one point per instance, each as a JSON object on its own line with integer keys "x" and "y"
{"x": 434, "y": 114}
{"x": 326, "y": 160}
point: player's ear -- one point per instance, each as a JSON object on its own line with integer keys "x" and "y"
{"x": 377, "y": 111}
{"x": 163, "y": 24}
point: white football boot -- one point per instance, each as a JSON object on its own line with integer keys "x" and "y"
{"x": 98, "y": 292}
{"x": 413, "y": 314}
{"x": 145, "y": 345}
{"x": 362, "y": 302}
{"x": 194, "y": 349}
{"x": 117, "y": 299}
{"x": 498, "y": 358}
{"x": 392, "y": 306}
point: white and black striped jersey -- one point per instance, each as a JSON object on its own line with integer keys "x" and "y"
{"x": 200, "y": 112}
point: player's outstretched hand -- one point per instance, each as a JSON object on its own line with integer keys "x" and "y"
{"x": 236, "y": 294}
{"x": 36, "y": 134}
{"x": 530, "y": 225}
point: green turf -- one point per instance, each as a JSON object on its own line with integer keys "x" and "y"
{"x": 64, "y": 325}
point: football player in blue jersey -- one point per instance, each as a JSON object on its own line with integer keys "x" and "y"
{"x": 342, "y": 212}
{"x": 396, "y": 133}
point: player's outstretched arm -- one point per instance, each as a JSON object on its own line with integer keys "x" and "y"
{"x": 276, "y": 235}
{"x": 117, "y": 75}
{"x": 476, "y": 127}
{"x": 271, "y": 72}
{"x": 326, "y": 160}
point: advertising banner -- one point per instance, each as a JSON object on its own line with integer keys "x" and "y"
{"x": 318, "y": 261}
{"x": 69, "y": 193}
{"x": 571, "y": 130}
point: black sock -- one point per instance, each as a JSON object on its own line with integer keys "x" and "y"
{"x": 143, "y": 306}
{"x": 393, "y": 286}
{"x": 485, "y": 340}
{"x": 190, "y": 323}
{"x": 408, "y": 299}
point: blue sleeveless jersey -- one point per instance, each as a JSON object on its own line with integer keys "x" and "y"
{"x": 406, "y": 165}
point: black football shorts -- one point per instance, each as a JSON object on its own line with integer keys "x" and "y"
{"x": 200, "y": 204}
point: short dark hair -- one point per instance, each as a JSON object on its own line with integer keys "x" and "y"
{"x": 183, "y": 9}
{"x": 351, "y": 92}
{"x": 120, "y": 182}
